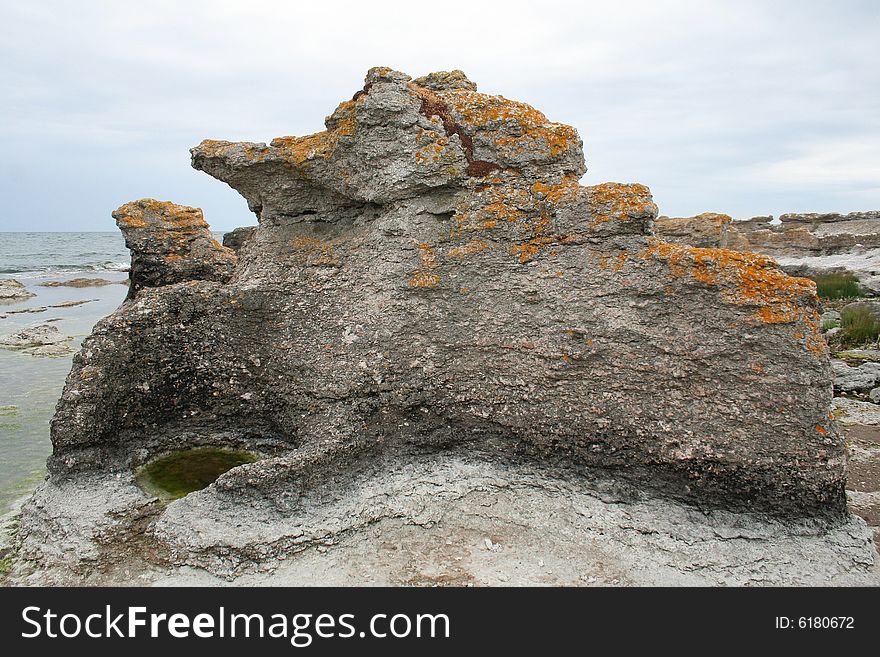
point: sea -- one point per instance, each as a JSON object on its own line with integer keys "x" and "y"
{"x": 30, "y": 386}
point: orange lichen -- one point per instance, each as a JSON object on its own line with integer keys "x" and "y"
{"x": 424, "y": 277}
{"x": 316, "y": 253}
{"x": 496, "y": 113}
{"x": 474, "y": 246}
{"x": 821, "y": 429}
{"x": 538, "y": 241}
{"x": 623, "y": 201}
{"x": 748, "y": 279}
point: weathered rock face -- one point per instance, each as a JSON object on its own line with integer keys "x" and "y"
{"x": 804, "y": 244}
{"x": 171, "y": 243}
{"x": 428, "y": 273}
{"x": 237, "y": 238}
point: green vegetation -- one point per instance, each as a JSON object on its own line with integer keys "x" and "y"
{"x": 6, "y": 564}
{"x": 858, "y": 356}
{"x": 860, "y": 326}
{"x": 179, "y": 473}
{"x": 837, "y": 286}
{"x": 829, "y": 324}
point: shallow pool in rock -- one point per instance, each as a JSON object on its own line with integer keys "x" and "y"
{"x": 173, "y": 475}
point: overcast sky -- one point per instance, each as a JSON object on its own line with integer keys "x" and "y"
{"x": 740, "y": 107}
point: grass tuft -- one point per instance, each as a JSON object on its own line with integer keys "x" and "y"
{"x": 860, "y": 326}
{"x": 837, "y": 286}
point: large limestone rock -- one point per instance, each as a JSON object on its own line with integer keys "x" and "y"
{"x": 429, "y": 289}
{"x": 169, "y": 244}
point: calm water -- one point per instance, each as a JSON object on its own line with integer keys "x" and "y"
{"x": 30, "y": 386}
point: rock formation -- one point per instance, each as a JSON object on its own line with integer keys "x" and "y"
{"x": 42, "y": 340}
{"x": 12, "y": 291}
{"x": 430, "y": 287}
{"x": 803, "y": 244}
{"x": 170, "y": 243}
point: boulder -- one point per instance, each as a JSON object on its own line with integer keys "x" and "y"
{"x": 428, "y": 271}
{"x": 855, "y": 379}
{"x": 871, "y": 307}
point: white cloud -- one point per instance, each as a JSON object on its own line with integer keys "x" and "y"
{"x": 743, "y": 106}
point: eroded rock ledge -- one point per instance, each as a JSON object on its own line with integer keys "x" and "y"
{"x": 429, "y": 278}
{"x": 803, "y": 244}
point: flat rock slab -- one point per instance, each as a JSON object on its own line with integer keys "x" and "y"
{"x": 12, "y": 291}
{"x": 42, "y": 340}
{"x": 450, "y": 521}
{"x": 83, "y": 282}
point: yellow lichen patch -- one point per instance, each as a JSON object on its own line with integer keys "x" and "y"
{"x": 495, "y": 113}
{"x": 530, "y": 249}
{"x": 430, "y": 146}
{"x": 474, "y": 246}
{"x": 132, "y": 221}
{"x": 424, "y": 277}
{"x": 566, "y": 190}
{"x": 298, "y": 150}
{"x": 538, "y": 228}
{"x": 623, "y": 201}
{"x": 342, "y": 123}
{"x": 748, "y": 279}
{"x": 316, "y": 253}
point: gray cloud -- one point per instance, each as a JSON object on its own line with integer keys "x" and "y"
{"x": 739, "y": 107}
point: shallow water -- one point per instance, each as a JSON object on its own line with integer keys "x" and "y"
{"x": 30, "y": 386}
{"x": 179, "y": 473}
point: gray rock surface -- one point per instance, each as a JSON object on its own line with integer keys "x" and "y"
{"x": 874, "y": 395}
{"x": 859, "y": 378}
{"x": 169, "y": 244}
{"x": 42, "y": 340}
{"x": 871, "y": 307}
{"x": 237, "y": 238}
{"x": 425, "y": 521}
{"x": 12, "y": 291}
{"x": 430, "y": 290}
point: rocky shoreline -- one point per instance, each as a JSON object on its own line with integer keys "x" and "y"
{"x": 453, "y": 365}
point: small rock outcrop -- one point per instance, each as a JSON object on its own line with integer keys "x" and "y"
{"x": 80, "y": 282}
{"x": 12, "y": 291}
{"x": 432, "y": 305}
{"x": 42, "y": 340}
{"x": 170, "y": 244}
{"x": 803, "y": 244}
{"x": 237, "y": 238}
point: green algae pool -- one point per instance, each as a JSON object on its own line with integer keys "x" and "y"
{"x": 177, "y": 474}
